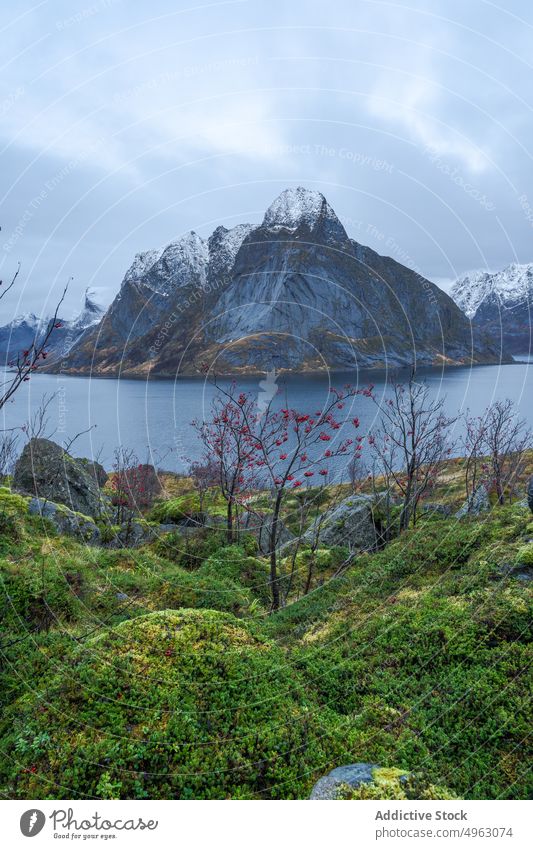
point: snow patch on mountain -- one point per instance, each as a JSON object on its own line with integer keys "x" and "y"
{"x": 91, "y": 313}
{"x": 179, "y": 263}
{"x": 142, "y": 263}
{"x": 224, "y": 246}
{"x": 28, "y": 320}
{"x": 297, "y": 206}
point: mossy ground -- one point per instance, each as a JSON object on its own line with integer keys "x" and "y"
{"x": 158, "y": 673}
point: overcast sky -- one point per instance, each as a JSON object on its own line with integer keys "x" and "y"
{"x": 125, "y": 124}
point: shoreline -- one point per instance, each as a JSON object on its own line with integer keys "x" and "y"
{"x": 370, "y": 370}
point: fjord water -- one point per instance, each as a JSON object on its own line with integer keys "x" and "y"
{"x": 154, "y": 417}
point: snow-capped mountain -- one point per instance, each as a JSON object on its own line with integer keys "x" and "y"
{"x": 19, "y": 334}
{"x": 500, "y": 303}
{"x": 294, "y": 292}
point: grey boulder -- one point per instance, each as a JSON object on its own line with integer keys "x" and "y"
{"x": 443, "y": 510}
{"x": 48, "y": 472}
{"x": 477, "y": 503}
{"x": 350, "y": 524}
{"x": 328, "y": 787}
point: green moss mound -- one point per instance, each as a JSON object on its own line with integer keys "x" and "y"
{"x": 11, "y": 503}
{"x": 186, "y": 704}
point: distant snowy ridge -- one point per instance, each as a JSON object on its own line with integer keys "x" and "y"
{"x": 20, "y": 333}
{"x": 509, "y": 288}
{"x": 500, "y": 304}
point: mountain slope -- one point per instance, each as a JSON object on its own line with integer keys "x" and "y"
{"x": 293, "y": 293}
{"x": 499, "y": 304}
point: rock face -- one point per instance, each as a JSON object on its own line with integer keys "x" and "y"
{"x": 478, "y": 502}
{"x": 45, "y": 470}
{"x": 293, "y": 293}
{"x": 500, "y": 304}
{"x": 351, "y": 524}
{"x": 327, "y": 788}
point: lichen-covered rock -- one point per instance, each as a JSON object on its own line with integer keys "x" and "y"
{"x": 329, "y": 786}
{"x": 370, "y": 781}
{"x": 350, "y": 524}
{"x": 132, "y": 535}
{"x": 66, "y": 521}
{"x": 476, "y": 504}
{"x": 48, "y": 472}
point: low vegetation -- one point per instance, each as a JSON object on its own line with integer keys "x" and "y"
{"x": 159, "y": 673}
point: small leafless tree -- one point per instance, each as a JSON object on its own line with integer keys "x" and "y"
{"x": 356, "y": 468}
{"x": 37, "y": 424}
{"x": 9, "y": 440}
{"x": 204, "y": 475}
{"x": 494, "y": 445}
{"x": 410, "y": 443}
{"x": 310, "y": 518}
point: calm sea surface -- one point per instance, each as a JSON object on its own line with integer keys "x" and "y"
{"x": 154, "y": 418}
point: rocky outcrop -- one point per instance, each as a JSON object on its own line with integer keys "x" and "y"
{"x": 132, "y": 535}
{"x": 293, "y": 293}
{"x": 476, "y": 504}
{"x": 46, "y": 471}
{"x": 350, "y": 524}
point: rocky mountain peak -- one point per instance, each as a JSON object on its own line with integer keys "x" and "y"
{"x": 298, "y": 208}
